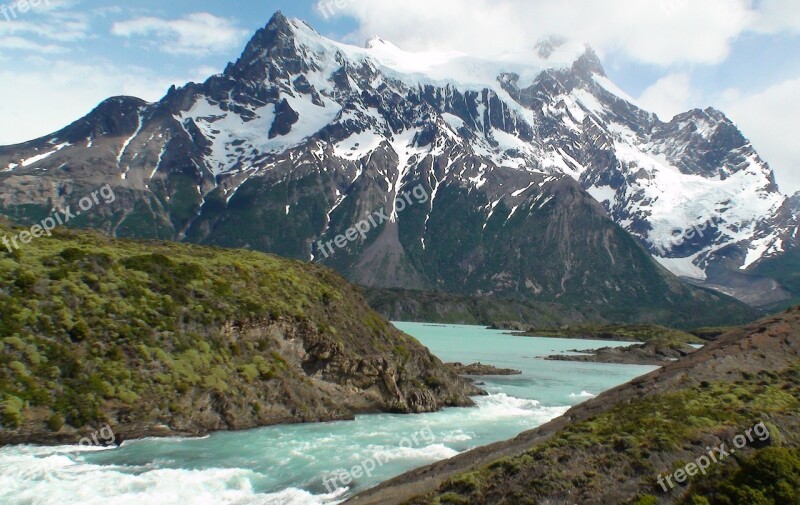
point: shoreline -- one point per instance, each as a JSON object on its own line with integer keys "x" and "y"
{"x": 68, "y": 437}
{"x": 648, "y": 354}
{"x": 602, "y": 332}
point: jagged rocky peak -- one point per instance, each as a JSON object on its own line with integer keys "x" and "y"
{"x": 703, "y": 121}
{"x": 707, "y": 142}
{"x": 277, "y": 34}
{"x": 115, "y": 116}
{"x": 589, "y": 64}
{"x": 273, "y": 48}
{"x": 547, "y": 46}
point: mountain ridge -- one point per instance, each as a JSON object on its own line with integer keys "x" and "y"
{"x": 303, "y": 137}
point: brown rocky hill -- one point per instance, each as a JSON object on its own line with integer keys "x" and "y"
{"x": 613, "y": 448}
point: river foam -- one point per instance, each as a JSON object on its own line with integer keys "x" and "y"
{"x": 286, "y": 465}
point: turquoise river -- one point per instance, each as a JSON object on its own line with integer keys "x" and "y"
{"x": 296, "y": 465}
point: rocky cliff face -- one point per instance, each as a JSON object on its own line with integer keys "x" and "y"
{"x": 165, "y": 339}
{"x": 475, "y": 177}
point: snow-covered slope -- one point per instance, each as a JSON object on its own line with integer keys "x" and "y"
{"x": 689, "y": 189}
{"x": 687, "y": 203}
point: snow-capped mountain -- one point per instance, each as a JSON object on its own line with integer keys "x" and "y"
{"x": 302, "y": 138}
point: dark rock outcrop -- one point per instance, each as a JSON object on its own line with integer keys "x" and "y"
{"x": 481, "y": 369}
{"x": 651, "y": 353}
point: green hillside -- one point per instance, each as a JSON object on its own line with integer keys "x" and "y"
{"x": 162, "y": 338}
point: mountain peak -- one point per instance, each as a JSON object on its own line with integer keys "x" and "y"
{"x": 274, "y": 43}
{"x": 278, "y": 24}
{"x": 589, "y": 63}
{"x": 709, "y": 116}
{"x": 278, "y": 19}
{"x": 376, "y": 41}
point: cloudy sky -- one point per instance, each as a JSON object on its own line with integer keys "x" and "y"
{"x": 59, "y": 58}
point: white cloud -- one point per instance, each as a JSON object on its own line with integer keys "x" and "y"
{"x": 769, "y": 119}
{"x": 49, "y": 21}
{"x": 777, "y": 16}
{"x": 49, "y": 97}
{"x": 22, "y": 44}
{"x": 197, "y": 34}
{"x": 51, "y": 88}
{"x": 669, "y": 96}
{"x": 662, "y": 32}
